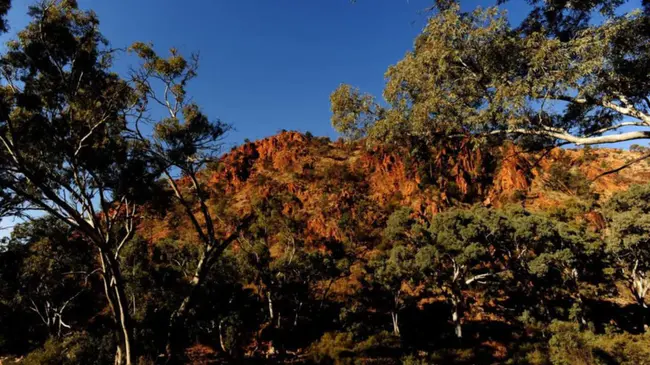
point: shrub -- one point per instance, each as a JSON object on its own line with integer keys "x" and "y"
{"x": 639, "y": 149}
{"x": 333, "y": 348}
{"x": 342, "y": 349}
{"x": 78, "y": 348}
{"x": 569, "y": 345}
{"x": 382, "y": 342}
{"x": 570, "y": 181}
{"x": 413, "y": 360}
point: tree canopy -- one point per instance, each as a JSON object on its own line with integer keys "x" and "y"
{"x": 473, "y": 74}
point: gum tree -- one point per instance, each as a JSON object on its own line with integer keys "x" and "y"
{"x": 183, "y": 142}
{"x": 472, "y": 74}
{"x": 64, "y": 151}
{"x": 629, "y": 241}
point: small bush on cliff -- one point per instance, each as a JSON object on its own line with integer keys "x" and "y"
{"x": 569, "y": 181}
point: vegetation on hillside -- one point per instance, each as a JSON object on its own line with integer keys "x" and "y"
{"x": 448, "y": 227}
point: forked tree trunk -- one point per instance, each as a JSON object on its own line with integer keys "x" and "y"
{"x": 211, "y": 250}
{"x": 640, "y": 285}
{"x": 115, "y": 294}
{"x": 114, "y": 290}
{"x": 394, "y": 317}
{"x": 579, "y": 301}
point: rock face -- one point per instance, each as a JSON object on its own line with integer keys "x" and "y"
{"x": 342, "y": 190}
{"x": 297, "y": 161}
{"x": 336, "y": 188}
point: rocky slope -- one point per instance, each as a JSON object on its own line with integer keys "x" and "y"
{"x": 326, "y": 179}
{"x": 330, "y": 186}
{"x": 337, "y": 194}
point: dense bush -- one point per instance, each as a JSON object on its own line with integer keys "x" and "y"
{"x": 569, "y": 346}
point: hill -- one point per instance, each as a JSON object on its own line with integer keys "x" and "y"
{"x": 331, "y": 181}
{"x": 337, "y": 202}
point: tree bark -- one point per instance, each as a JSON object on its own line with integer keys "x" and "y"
{"x": 394, "y": 317}
{"x": 114, "y": 291}
{"x": 118, "y": 355}
{"x": 173, "y": 345}
{"x": 640, "y": 285}
{"x": 456, "y": 315}
{"x": 222, "y": 343}
{"x": 115, "y": 294}
{"x": 579, "y": 140}
{"x": 270, "y": 301}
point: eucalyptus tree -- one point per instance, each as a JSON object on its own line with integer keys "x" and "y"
{"x": 629, "y": 241}
{"x": 473, "y": 74}
{"x": 459, "y": 256}
{"x": 183, "y": 142}
{"x": 392, "y": 280}
{"x": 554, "y": 260}
{"x": 64, "y": 151}
{"x": 53, "y": 279}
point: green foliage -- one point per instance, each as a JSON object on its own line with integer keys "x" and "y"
{"x": 398, "y": 224}
{"x": 333, "y": 348}
{"x": 352, "y": 113}
{"x": 569, "y": 345}
{"x": 629, "y": 218}
{"x": 139, "y": 240}
{"x": 471, "y": 73}
{"x": 342, "y": 349}
{"x": 571, "y": 181}
{"x": 72, "y": 350}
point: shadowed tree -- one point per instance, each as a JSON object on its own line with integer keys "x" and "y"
{"x": 629, "y": 241}
{"x": 458, "y": 257}
{"x": 54, "y": 274}
{"x": 565, "y": 18}
{"x": 5, "y": 5}
{"x": 551, "y": 260}
{"x": 62, "y": 135}
{"x": 182, "y": 144}
{"x": 392, "y": 278}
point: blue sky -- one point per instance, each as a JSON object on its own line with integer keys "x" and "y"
{"x": 268, "y": 65}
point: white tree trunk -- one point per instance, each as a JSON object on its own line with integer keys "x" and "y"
{"x": 270, "y": 301}
{"x": 394, "y": 317}
{"x": 221, "y": 339}
{"x": 639, "y": 285}
{"x": 456, "y": 316}
{"x": 114, "y": 290}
